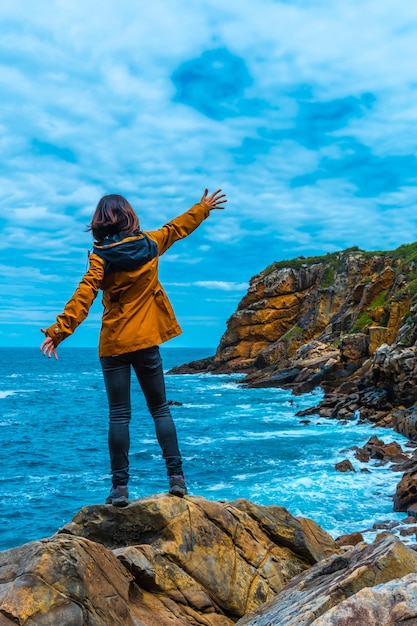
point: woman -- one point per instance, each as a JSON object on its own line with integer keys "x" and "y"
{"x": 137, "y": 317}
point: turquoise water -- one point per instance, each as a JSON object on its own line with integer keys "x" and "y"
{"x": 235, "y": 443}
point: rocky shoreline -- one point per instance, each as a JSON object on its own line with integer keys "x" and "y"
{"x": 164, "y": 560}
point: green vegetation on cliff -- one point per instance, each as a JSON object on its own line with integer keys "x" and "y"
{"x": 403, "y": 260}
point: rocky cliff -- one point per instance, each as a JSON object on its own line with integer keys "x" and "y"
{"x": 348, "y": 303}
{"x": 164, "y": 560}
{"x": 345, "y": 321}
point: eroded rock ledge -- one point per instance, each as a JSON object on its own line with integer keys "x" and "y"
{"x": 164, "y": 560}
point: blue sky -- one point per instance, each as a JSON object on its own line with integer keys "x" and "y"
{"x": 303, "y": 112}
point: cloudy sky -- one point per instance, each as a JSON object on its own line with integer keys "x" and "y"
{"x": 302, "y": 111}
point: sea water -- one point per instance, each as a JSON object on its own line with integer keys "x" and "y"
{"x": 235, "y": 442}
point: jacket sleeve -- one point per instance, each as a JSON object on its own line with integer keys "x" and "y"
{"x": 179, "y": 227}
{"x": 77, "y": 308}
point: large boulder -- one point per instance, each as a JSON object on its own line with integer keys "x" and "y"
{"x": 64, "y": 581}
{"x": 313, "y": 593}
{"x": 159, "y": 561}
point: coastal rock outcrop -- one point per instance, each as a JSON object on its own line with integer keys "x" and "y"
{"x": 164, "y": 560}
{"x": 357, "y": 575}
{"x": 161, "y": 560}
{"x": 347, "y": 303}
{"x": 346, "y": 316}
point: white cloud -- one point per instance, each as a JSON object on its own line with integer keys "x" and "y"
{"x": 88, "y": 107}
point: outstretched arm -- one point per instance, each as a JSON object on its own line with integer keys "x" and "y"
{"x": 186, "y": 223}
{"x": 76, "y": 309}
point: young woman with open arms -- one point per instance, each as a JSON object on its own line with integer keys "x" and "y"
{"x": 137, "y": 317}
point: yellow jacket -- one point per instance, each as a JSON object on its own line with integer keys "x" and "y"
{"x": 137, "y": 313}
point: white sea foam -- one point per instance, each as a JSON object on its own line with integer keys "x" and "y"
{"x": 12, "y": 392}
{"x": 6, "y": 393}
{"x": 188, "y": 405}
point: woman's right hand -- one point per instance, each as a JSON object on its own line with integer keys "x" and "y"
{"x": 47, "y": 346}
{"x": 214, "y": 200}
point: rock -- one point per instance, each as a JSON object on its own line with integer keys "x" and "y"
{"x": 376, "y": 449}
{"x": 406, "y": 491}
{"x": 64, "y": 580}
{"x": 354, "y": 348}
{"x": 362, "y": 455}
{"x": 351, "y": 539}
{"x": 409, "y": 530}
{"x": 345, "y": 466}
{"x": 312, "y": 594}
{"x": 347, "y": 297}
{"x": 386, "y": 525}
{"x": 174, "y": 560}
{"x": 405, "y": 423}
{"x": 389, "y": 604}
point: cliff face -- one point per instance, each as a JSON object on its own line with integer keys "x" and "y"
{"x": 292, "y": 303}
{"x": 347, "y": 316}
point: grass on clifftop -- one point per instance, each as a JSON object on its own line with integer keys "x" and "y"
{"x": 332, "y": 259}
{"x": 404, "y": 260}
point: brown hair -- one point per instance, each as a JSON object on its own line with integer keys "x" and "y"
{"x": 112, "y": 215}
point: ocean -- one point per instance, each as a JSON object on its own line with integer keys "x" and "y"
{"x": 235, "y": 443}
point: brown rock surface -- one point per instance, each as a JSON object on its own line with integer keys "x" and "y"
{"x": 391, "y": 604}
{"x": 352, "y": 539}
{"x": 159, "y": 561}
{"x": 313, "y": 593}
{"x": 63, "y": 581}
{"x": 345, "y": 466}
{"x": 406, "y": 492}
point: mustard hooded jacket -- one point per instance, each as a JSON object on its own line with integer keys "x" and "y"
{"x": 137, "y": 313}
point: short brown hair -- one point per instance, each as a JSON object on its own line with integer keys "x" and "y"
{"x": 113, "y": 214}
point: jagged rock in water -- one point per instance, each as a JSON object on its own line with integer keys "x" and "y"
{"x": 406, "y": 491}
{"x": 312, "y": 594}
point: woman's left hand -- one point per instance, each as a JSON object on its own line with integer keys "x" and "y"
{"x": 214, "y": 200}
{"x": 47, "y": 347}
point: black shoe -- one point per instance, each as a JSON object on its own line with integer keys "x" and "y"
{"x": 118, "y": 496}
{"x": 177, "y": 486}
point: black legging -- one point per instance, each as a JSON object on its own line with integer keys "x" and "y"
{"x": 147, "y": 364}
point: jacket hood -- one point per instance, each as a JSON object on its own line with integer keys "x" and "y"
{"x": 125, "y": 252}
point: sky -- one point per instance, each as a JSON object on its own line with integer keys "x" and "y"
{"x": 303, "y": 111}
